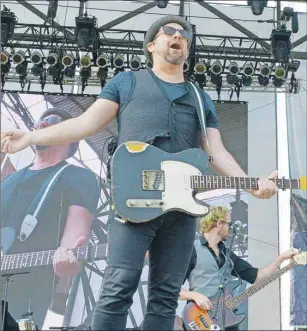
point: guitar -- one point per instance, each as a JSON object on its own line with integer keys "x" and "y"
{"x": 147, "y": 182}
{"x": 195, "y": 318}
{"x": 43, "y": 258}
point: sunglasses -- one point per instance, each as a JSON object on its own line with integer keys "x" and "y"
{"x": 170, "y": 31}
{"x": 52, "y": 120}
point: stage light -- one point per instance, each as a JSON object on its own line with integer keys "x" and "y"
{"x": 68, "y": 60}
{"x": 201, "y": 80}
{"x": 294, "y": 65}
{"x": 21, "y": 69}
{"x": 5, "y": 68}
{"x": 257, "y": 6}
{"x": 277, "y": 82}
{"x": 135, "y": 63}
{"x": 5, "y": 63}
{"x": 36, "y": 57}
{"x": 200, "y": 68}
{"x": 265, "y": 70}
{"x": 37, "y": 70}
{"x": 19, "y": 57}
{"x": 70, "y": 71}
{"x": 102, "y": 73}
{"x": 217, "y": 80}
{"x": 119, "y": 61}
{"x": 85, "y": 73}
{"x": 186, "y": 66}
{"x": 232, "y": 79}
{"x": 216, "y": 68}
{"x": 102, "y": 61}
{"x": 281, "y": 44}
{"x": 8, "y": 21}
{"x": 5, "y": 57}
{"x": 247, "y": 80}
{"x": 248, "y": 69}
{"x": 280, "y": 72}
{"x": 52, "y": 59}
{"x": 56, "y": 70}
{"x": 52, "y": 8}
{"x": 85, "y": 31}
{"x": 263, "y": 81}
{"x": 85, "y": 61}
{"x": 162, "y": 3}
{"x": 234, "y": 69}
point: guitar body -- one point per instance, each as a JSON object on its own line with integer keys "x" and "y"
{"x": 7, "y": 239}
{"x": 195, "y": 318}
{"x": 147, "y": 182}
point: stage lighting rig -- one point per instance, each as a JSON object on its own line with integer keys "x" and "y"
{"x": 162, "y": 3}
{"x": 86, "y": 31}
{"x": 135, "y": 63}
{"x": 52, "y": 58}
{"x": 8, "y": 21}
{"x": 257, "y": 6}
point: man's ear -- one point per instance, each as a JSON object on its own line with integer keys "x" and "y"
{"x": 150, "y": 46}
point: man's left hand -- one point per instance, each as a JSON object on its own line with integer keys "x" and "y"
{"x": 266, "y": 187}
{"x": 65, "y": 263}
{"x": 288, "y": 254}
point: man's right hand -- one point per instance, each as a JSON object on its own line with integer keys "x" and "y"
{"x": 202, "y": 301}
{"x": 13, "y": 141}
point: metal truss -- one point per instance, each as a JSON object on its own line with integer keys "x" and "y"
{"x": 130, "y": 42}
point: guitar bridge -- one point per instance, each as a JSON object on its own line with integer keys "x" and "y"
{"x": 153, "y": 180}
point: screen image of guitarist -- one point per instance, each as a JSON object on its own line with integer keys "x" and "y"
{"x": 207, "y": 268}
{"x": 63, "y": 222}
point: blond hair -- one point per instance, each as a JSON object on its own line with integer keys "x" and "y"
{"x": 216, "y": 213}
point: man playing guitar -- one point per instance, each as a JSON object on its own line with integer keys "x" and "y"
{"x": 208, "y": 260}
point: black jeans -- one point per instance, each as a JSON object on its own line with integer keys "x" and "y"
{"x": 169, "y": 239}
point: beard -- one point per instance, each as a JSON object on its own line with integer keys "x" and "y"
{"x": 174, "y": 59}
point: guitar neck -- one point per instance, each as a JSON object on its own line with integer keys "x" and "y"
{"x": 237, "y": 300}
{"x": 43, "y": 258}
{"x": 219, "y": 182}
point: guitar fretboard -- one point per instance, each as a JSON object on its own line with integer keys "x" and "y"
{"x": 217, "y": 182}
{"x": 33, "y": 259}
{"x": 236, "y": 301}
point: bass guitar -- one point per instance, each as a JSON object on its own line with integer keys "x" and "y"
{"x": 147, "y": 182}
{"x": 37, "y": 259}
{"x": 195, "y": 318}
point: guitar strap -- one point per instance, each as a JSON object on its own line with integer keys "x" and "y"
{"x": 201, "y": 112}
{"x": 31, "y": 219}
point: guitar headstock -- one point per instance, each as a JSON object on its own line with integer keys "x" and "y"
{"x": 300, "y": 258}
{"x": 303, "y": 183}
